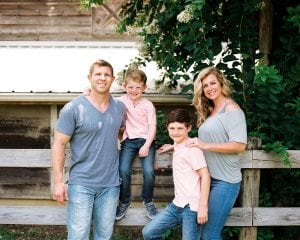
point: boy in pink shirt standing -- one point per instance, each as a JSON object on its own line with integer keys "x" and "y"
{"x": 138, "y": 139}
{"x": 191, "y": 184}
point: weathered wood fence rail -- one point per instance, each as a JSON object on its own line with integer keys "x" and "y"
{"x": 249, "y": 216}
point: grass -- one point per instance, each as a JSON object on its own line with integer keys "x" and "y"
{"x": 30, "y": 232}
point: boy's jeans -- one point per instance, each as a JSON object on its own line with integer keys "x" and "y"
{"x": 86, "y": 203}
{"x": 170, "y": 217}
{"x": 129, "y": 150}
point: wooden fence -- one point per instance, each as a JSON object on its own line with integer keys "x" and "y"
{"x": 249, "y": 216}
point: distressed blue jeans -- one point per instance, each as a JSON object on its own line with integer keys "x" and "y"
{"x": 90, "y": 204}
{"x": 222, "y": 197}
{"x": 170, "y": 217}
{"x": 129, "y": 150}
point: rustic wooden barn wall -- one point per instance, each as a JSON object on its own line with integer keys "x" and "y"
{"x": 24, "y": 126}
{"x": 28, "y": 127}
{"x": 58, "y": 20}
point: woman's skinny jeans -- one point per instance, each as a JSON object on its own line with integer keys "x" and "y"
{"x": 222, "y": 197}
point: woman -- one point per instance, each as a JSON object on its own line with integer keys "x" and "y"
{"x": 222, "y": 134}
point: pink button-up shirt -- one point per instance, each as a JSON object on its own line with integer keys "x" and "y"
{"x": 140, "y": 118}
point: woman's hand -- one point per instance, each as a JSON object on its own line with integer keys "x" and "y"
{"x": 196, "y": 142}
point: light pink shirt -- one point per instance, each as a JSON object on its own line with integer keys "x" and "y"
{"x": 186, "y": 162}
{"x": 140, "y": 118}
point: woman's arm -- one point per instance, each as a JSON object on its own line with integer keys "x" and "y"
{"x": 228, "y": 147}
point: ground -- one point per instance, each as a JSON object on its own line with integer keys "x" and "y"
{"x": 29, "y": 232}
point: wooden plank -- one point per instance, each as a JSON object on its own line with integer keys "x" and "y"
{"x": 241, "y": 216}
{"x": 40, "y": 29}
{"x": 53, "y": 119}
{"x": 165, "y": 160}
{"x": 80, "y": 20}
{"x": 35, "y": 215}
{"x": 25, "y": 183}
{"x": 270, "y": 216}
{"x": 42, "y": 158}
{"x": 246, "y": 159}
{"x": 76, "y": 36}
{"x": 42, "y": 8}
{"x": 62, "y": 98}
{"x": 56, "y": 215}
{"x": 161, "y": 193}
{"x": 263, "y": 159}
{"x": 39, "y": 158}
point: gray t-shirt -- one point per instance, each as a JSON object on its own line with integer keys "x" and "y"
{"x": 94, "y": 141}
{"x": 224, "y": 127}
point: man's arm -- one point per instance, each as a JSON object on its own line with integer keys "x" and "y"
{"x": 58, "y": 161}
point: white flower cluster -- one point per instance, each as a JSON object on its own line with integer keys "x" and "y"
{"x": 152, "y": 28}
{"x": 144, "y": 49}
{"x": 186, "y": 15}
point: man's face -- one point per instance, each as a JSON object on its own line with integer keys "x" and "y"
{"x": 101, "y": 79}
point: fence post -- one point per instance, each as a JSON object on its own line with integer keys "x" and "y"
{"x": 249, "y": 198}
{"x": 250, "y": 191}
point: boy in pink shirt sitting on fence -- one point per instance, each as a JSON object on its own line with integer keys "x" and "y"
{"x": 138, "y": 139}
{"x": 191, "y": 184}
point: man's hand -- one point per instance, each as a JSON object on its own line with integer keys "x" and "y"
{"x": 60, "y": 193}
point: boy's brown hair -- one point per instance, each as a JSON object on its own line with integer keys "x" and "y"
{"x": 179, "y": 115}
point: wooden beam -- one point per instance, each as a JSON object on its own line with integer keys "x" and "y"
{"x": 62, "y": 98}
{"x": 271, "y": 216}
{"x": 42, "y": 158}
{"x": 263, "y": 159}
{"x": 56, "y": 215}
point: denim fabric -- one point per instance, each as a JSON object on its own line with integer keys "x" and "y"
{"x": 129, "y": 150}
{"x": 170, "y": 217}
{"x": 222, "y": 197}
{"x": 87, "y": 203}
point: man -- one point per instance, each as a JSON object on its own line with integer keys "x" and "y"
{"x": 91, "y": 124}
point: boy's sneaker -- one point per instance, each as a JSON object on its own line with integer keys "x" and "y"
{"x": 151, "y": 209}
{"x": 121, "y": 210}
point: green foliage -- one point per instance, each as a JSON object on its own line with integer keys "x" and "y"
{"x": 86, "y": 4}
{"x": 231, "y": 233}
{"x": 279, "y": 149}
{"x": 294, "y": 16}
{"x": 265, "y": 234}
{"x": 162, "y": 135}
{"x": 7, "y": 234}
{"x": 12, "y": 232}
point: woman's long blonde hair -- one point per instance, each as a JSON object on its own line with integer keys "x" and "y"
{"x": 203, "y": 105}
